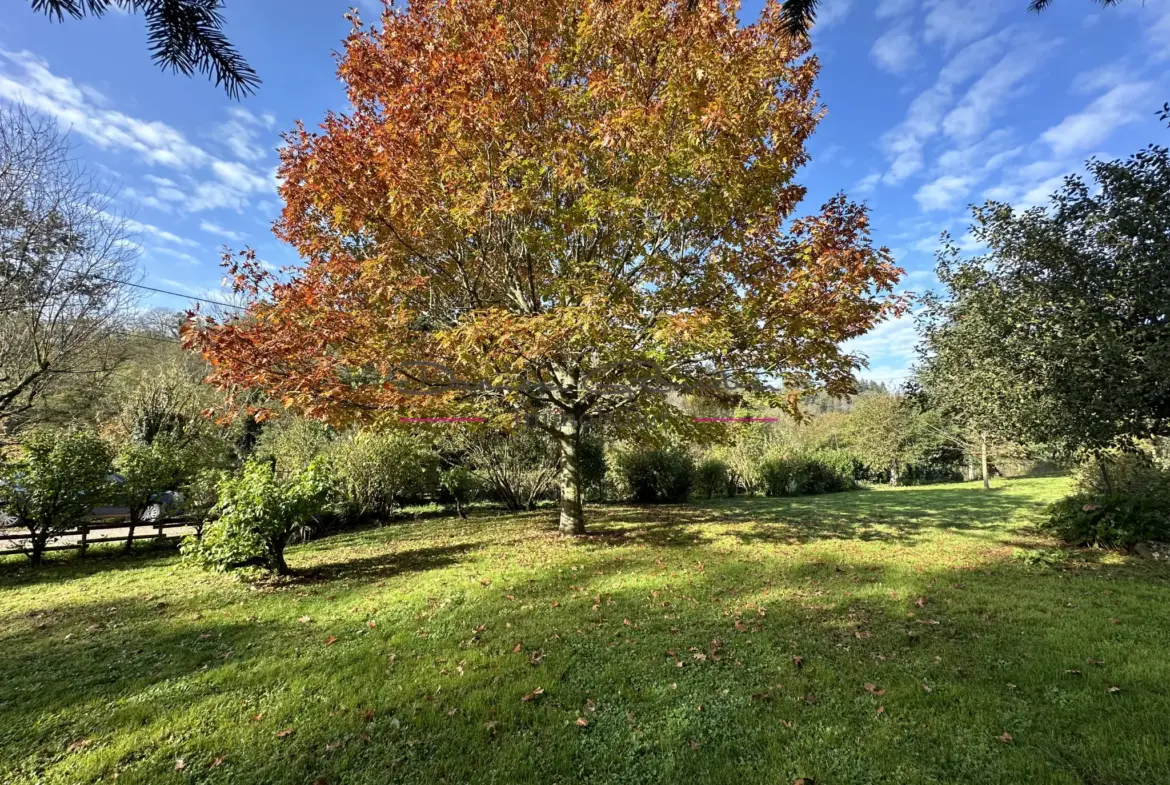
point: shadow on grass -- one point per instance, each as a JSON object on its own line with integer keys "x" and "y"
{"x": 450, "y": 705}
{"x": 385, "y": 565}
{"x": 901, "y": 516}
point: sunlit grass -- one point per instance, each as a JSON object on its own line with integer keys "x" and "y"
{"x": 404, "y": 654}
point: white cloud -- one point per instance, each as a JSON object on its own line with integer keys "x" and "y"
{"x": 888, "y": 8}
{"x": 868, "y": 183}
{"x": 888, "y": 348}
{"x": 904, "y": 143}
{"x": 944, "y": 192}
{"x": 1124, "y": 104}
{"x": 988, "y": 96}
{"x": 831, "y": 12}
{"x": 26, "y": 78}
{"x": 182, "y": 256}
{"x": 1102, "y": 78}
{"x": 214, "y": 228}
{"x": 895, "y": 50}
{"x": 955, "y": 22}
{"x": 240, "y": 134}
{"x": 162, "y": 234}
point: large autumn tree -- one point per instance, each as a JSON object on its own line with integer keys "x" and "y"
{"x": 571, "y": 208}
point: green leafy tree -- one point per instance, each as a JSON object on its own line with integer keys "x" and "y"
{"x": 376, "y": 470}
{"x": 1060, "y": 333}
{"x": 259, "y": 513}
{"x": 889, "y": 434}
{"x": 56, "y": 481}
{"x": 148, "y": 470}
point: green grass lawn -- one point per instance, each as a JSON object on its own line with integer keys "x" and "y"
{"x": 886, "y": 636}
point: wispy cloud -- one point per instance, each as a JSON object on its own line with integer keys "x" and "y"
{"x": 944, "y": 192}
{"x": 1124, "y": 104}
{"x": 214, "y": 228}
{"x": 952, "y": 23}
{"x": 895, "y": 50}
{"x": 84, "y": 111}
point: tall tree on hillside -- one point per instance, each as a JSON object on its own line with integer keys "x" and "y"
{"x": 64, "y": 261}
{"x": 185, "y": 36}
{"x": 1060, "y": 333}
{"x": 571, "y": 208}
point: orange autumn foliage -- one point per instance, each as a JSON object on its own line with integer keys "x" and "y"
{"x": 546, "y": 198}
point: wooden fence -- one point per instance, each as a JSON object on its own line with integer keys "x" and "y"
{"x": 157, "y": 530}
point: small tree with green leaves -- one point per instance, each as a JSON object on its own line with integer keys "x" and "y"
{"x": 888, "y": 433}
{"x": 146, "y": 472}
{"x": 56, "y": 481}
{"x": 259, "y": 513}
{"x": 376, "y": 470}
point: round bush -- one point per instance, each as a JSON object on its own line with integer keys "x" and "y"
{"x": 658, "y": 475}
{"x": 1114, "y": 520}
{"x": 713, "y": 478}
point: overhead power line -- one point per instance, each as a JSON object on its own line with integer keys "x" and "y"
{"x": 154, "y": 289}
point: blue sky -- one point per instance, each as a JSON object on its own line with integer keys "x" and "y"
{"x": 932, "y": 105}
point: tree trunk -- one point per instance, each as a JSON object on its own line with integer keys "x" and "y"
{"x": 572, "y": 512}
{"x": 130, "y": 536}
{"x": 894, "y": 474}
{"x": 983, "y": 456}
{"x": 1104, "y": 473}
{"x": 37, "y": 543}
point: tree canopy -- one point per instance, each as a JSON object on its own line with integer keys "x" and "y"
{"x": 1061, "y": 332}
{"x": 567, "y": 208}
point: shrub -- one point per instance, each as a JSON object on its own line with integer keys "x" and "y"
{"x": 713, "y": 478}
{"x": 461, "y": 485}
{"x": 657, "y": 475}
{"x": 1128, "y": 473}
{"x": 200, "y": 497}
{"x": 825, "y": 471}
{"x": 516, "y": 467}
{"x": 593, "y": 467}
{"x": 292, "y": 443}
{"x": 259, "y": 512}
{"x": 55, "y": 482}
{"x": 147, "y": 472}
{"x": 1112, "y": 520}
{"x": 376, "y": 471}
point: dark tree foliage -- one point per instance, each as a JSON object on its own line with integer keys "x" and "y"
{"x": 1060, "y": 334}
{"x": 185, "y": 36}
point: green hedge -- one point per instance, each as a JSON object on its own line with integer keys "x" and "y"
{"x": 1114, "y": 520}
{"x": 825, "y": 471}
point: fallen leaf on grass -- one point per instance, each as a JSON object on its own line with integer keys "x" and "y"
{"x": 304, "y": 620}
{"x": 694, "y": 744}
{"x": 334, "y": 746}
{"x": 803, "y": 781}
{"x": 1006, "y": 737}
{"x": 215, "y": 764}
{"x": 920, "y": 602}
{"x": 491, "y": 726}
{"x": 517, "y": 648}
{"x": 280, "y": 734}
{"x": 536, "y": 693}
{"x": 1073, "y": 672}
{"x": 371, "y": 624}
{"x": 881, "y": 709}
{"x": 582, "y": 722}
{"x": 786, "y": 723}
{"x": 556, "y": 604}
{"x": 80, "y": 744}
{"x": 798, "y": 662}
{"x": 257, "y": 717}
{"x": 1113, "y": 690}
{"x": 1094, "y": 661}
{"x": 485, "y": 581}
{"x": 367, "y": 715}
{"x": 873, "y": 690}
{"x": 180, "y": 764}
{"x": 740, "y": 627}
{"x": 332, "y": 639}
{"x": 927, "y": 688}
